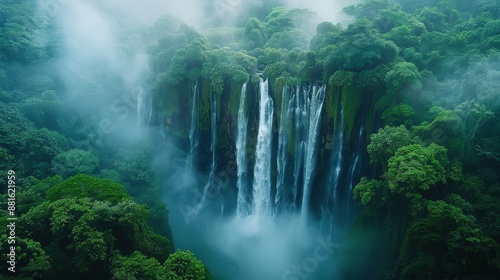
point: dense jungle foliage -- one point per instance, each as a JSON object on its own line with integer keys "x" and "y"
{"x": 89, "y": 206}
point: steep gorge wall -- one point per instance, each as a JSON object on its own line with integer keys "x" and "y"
{"x": 360, "y": 119}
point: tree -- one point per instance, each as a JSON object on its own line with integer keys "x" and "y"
{"x": 371, "y": 193}
{"x": 324, "y": 28}
{"x": 342, "y": 78}
{"x": 288, "y": 39}
{"x": 402, "y": 36}
{"x": 43, "y": 110}
{"x": 74, "y": 162}
{"x": 281, "y": 19}
{"x": 32, "y": 262}
{"x": 18, "y": 32}
{"x": 372, "y": 80}
{"x": 474, "y": 116}
{"x": 384, "y": 144}
{"x": 34, "y": 192}
{"x": 32, "y": 148}
{"x": 446, "y": 233}
{"x": 370, "y": 9}
{"x": 398, "y": 115}
{"x": 403, "y": 76}
{"x": 91, "y": 233}
{"x": 37, "y": 148}
{"x": 137, "y": 267}
{"x": 446, "y": 129}
{"x": 135, "y": 171}
{"x": 182, "y": 265}
{"x": 254, "y": 35}
{"x": 186, "y": 60}
{"x": 433, "y": 19}
{"x": 414, "y": 168}
{"x": 389, "y": 19}
{"x": 82, "y": 185}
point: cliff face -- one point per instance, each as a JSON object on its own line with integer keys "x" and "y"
{"x": 347, "y": 117}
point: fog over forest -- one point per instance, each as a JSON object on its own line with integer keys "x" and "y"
{"x": 251, "y": 140}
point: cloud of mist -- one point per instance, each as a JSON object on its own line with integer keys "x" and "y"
{"x": 327, "y": 10}
{"x": 248, "y": 248}
{"x": 102, "y": 66}
{"x": 146, "y": 12}
{"x": 98, "y": 71}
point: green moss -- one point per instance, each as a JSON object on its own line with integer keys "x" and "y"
{"x": 204, "y": 105}
{"x": 351, "y": 100}
{"x": 180, "y": 133}
{"x": 278, "y": 100}
{"x": 331, "y": 102}
{"x": 82, "y": 185}
{"x": 233, "y": 102}
{"x": 373, "y": 115}
{"x": 399, "y": 114}
{"x": 447, "y": 129}
{"x": 170, "y": 100}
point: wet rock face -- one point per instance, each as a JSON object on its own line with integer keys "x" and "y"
{"x": 320, "y": 175}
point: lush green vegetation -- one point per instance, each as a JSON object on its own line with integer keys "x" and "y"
{"x": 87, "y": 207}
{"x": 90, "y": 208}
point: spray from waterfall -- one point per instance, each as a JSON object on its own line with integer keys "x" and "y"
{"x": 262, "y": 170}
{"x": 314, "y": 109}
{"x": 353, "y": 174}
{"x": 299, "y": 115}
{"x": 243, "y": 207}
{"x": 280, "y": 198}
{"x": 213, "y": 134}
{"x": 332, "y": 183}
{"x": 193, "y": 131}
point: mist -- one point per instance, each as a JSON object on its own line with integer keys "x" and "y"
{"x": 102, "y": 43}
{"x": 245, "y": 248}
{"x": 273, "y": 139}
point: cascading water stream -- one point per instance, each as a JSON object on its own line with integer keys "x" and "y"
{"x": 213, "y": 136}
{"x": 150, "y": 110}
{"x": 162, "y": 124}
{"x": 337, "y": 158}
{"x": 315, "y": 107}
{"x": 332, "y": 183}
{"x": 144, "y": 107}
{"x": 243, "y": 207}
{"x": 354, "y": 170}
{"x": 262, "y": 169}
{"x": 280, "y": 199}
{"x": 193, "y": 131}
{"x": 299, "y": 101}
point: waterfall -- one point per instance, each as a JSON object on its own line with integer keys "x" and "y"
{"x": 299, "y": 115}
{"x": 262, "y": 169}
{"x": 315, "y": 107}
{"x": 280, "y": 199}
{"x": 243, "y": 208}
{"x": 150, "y": 110}
{"x": 354, "y": 171}
{"x": 144, "y": 107}
{"x": 332, "y": 183}
{"x": 193, "y": 131}
{"x": 337, "y": 156}
{"x": 213, "y": 129}
{"x": 213, "y": 134}
{"x": 162, "y": 125}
